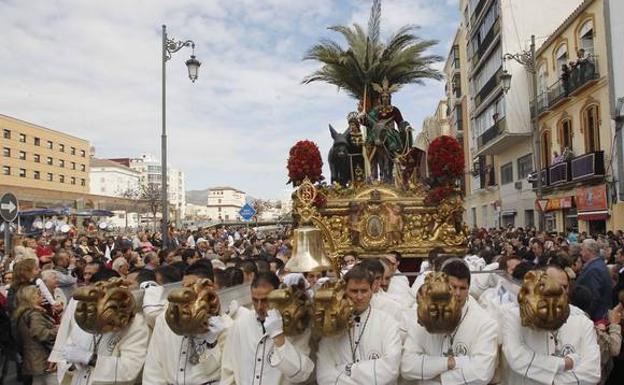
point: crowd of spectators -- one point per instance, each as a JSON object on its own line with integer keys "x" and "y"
{"x": 40, "y": 274}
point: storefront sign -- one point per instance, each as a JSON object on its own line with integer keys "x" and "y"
{"x": 559, "y": 203}
{"x": 591, "y": 203}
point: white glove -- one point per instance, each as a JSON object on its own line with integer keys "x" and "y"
{"x": 293, "y": 279}
{"x": 215, "y": 328}
{"x": 273, "y": 323}
{"x": 76, "y": 355}
{"x": 321, "y": 281}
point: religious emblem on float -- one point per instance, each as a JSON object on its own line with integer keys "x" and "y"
{"x": 105, "y": 307}
{"x": 438, "y": 309}
{"x": 190, "y": 308}
{"x": 543, "y": 302}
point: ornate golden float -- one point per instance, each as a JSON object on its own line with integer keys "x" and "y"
{"x": 375, "y": 219}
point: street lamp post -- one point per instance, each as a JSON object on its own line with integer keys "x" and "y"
{"x": 169, "y": 47}
{"x": 528, "y": 60}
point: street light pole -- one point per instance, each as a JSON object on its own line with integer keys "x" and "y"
{"x": 169, "y": 47}
{"x": 528, "y": 60}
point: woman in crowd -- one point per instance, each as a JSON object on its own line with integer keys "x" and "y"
{"x": 35, "y": 332}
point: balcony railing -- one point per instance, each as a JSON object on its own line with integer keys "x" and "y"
{"x": 577, "y": 169}
{"x": 559, "y": 173}
{"x": 487, "y": 88}
{"x": 487, "y": 41}
{"x": 584, "y": 72}
{"x": 588, "y": 165}
{"x": 491, "y": 133}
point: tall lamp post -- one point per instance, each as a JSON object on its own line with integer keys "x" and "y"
{"x": 169, "y": 47}
{"x": 528, "y": 60}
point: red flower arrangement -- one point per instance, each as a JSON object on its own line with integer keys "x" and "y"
{"x": 304, "y": 160}
{"x": 445, "y": 158}
{"x": 438, "y": 194}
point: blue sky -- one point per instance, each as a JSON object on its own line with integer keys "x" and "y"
{"x": 92, "y": 69}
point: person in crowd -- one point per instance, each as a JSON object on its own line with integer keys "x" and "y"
{"x": 380, "y": 299}
{"x": 35, "y": 333}
{"x": 595, "y": 276}
{"x": 257, "y": 351}
{"x": 151, "y": 261}
{"x": 176, "y": 359}
{"x": 609, "y": 335}
{"x": 398, "y": 287}
{"x": 369, "y": 352}
{"x": 536, "y": 355}
{"x": 62, "y": 265}
{"x": 89, "y": 270}
{"x": 110, "y": 358}
{"x": 121, "y": 266}
{"x": 467, "y": 354}
{"x": 249, "y": 269}
{"x": 26, "y": 272}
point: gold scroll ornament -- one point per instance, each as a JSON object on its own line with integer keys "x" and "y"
{"x": 190, "y": 308}
{"x": 107, "y": 306}
{"x": 543, "y": 302}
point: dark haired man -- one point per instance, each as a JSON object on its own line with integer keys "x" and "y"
{"x": 380, "y": 299}
{"x": 398, "y": 287}
{"x": 367, "y": 353}
{"x": 467, "y": 355}
{"x": 176, "y": 359}
{"x": 257, "y": 351}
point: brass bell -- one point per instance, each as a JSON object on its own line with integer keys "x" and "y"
{"x": 308, "y": 252}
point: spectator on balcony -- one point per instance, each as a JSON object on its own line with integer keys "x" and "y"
{"x": 565, "y": 79}
{"x": 557, "y": 158}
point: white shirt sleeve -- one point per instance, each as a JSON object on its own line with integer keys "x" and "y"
{"x": 481, "y": 362}
{"x": 385, "y": 369}
{"x": 588, "y": 371}
{"x": 521, "y": 358}
{"x": 126, "y": 365}
{"x": 294, "y": 363}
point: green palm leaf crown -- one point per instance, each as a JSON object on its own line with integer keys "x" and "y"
{"x": 367, "y": 60}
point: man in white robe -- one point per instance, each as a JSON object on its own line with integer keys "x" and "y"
{"x": 257, "y": 352}
{"x": 369, "y": 352}
{"x": 102, "y": 359}
{"x": 182, "y": 360}
{"x": 569, "y": 355}
{"x": 465, "y": 356}
{"x": 398, "y": 287}
{"x": 111, "y": 358}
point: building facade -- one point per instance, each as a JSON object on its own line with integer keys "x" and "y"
{"x": 457, "y": 99}
{"x": 150, "y": 175}
{"x": 500, "y": 145}
{"x": 37, "y": 157}
{"x": 111, "y": 178}
{"x": 614, "y": 30}
{"x": 574, "y": 119}
{"x": 224, "y": 203}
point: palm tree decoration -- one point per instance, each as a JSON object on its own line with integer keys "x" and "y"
{"x": 367, "y": 60}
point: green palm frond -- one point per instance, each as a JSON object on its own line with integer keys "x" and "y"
{"x": 366, "y": 60}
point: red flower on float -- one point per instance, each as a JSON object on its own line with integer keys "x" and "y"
{"x": 445, "y": 158}
{"x": 304, "y": 160}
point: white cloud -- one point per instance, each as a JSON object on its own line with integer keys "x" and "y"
{"x": 92, "y": 69}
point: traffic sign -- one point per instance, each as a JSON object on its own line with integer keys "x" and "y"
{"x": 9, "y": 207}
{"x": 247, "y": 212}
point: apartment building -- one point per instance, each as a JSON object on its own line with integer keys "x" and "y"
{"x": 38, "y": 157}
{"x": 224, "y": 203}
{"x": 500, "y": 148}
{"x": 113, "y": 179}
{"x": 573, "y": 114}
